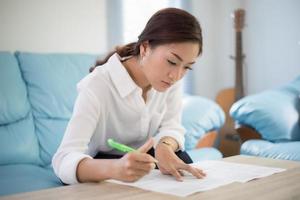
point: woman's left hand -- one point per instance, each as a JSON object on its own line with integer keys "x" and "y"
{"x": 169, "y": 163}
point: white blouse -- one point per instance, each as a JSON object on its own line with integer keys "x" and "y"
{"x": 110, "y": 105}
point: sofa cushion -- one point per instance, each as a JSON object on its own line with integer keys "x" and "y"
{"x": 18, "y": 142}
{"x": 51, "y": 83}
{"x": 273, "y": 113}
{"x": 14, "y": 104}
{"x": 26, "y": 178}
{"x": 281, "y": 150}
{"x": 200, "y": 115}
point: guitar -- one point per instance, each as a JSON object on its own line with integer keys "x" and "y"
{"x": 229, "y": 142}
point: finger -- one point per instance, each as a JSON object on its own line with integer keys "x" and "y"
{"x": 163, "y": 170}
{"x": 194, "y": 171}
{"x": 201, "y": 172}
{"x": 147, "y": 146}
{"x": 153, "y": 165}
{"x": 134, "y": 175}
{"x": 197, "y": 172}
{"x": 140, "y": 173}
{"x": 144, "y": 157}
{"x": 181, "y": 172}
{"x": 140, "y": 161}
{"x": 176, "y": 174}
{"x": 146, "y": 167}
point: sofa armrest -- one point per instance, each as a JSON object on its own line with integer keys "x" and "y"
{"x": 273, "y": 113}
{"x": 200, "y": 117}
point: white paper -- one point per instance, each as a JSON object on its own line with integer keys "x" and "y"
{"x": 218, "y": 173}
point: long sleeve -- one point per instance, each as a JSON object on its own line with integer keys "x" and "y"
{"x": 77, "y": 136}
{"x": 171, "y": 122}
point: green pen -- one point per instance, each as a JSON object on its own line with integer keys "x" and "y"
{"x": 123, "y": 148}
{"x": 119, "y": 146}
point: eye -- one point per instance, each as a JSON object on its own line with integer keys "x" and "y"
{"x": 171, "y": 63}
{"x": 188, "y": 68}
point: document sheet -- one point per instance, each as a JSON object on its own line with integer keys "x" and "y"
{"x": 218, "y": 173}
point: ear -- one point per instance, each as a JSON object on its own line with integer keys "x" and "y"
{"x": 144, "y": 48}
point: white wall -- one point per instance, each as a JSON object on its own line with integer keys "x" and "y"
{"x": 53, "y": 26}
{"x": 215, "y": 70}
{"x": 271, "y": 37}
{"x": 271, "y": 41}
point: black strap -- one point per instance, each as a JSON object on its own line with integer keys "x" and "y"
{"x": 181, "y": 154}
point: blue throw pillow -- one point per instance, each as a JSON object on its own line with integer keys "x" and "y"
{"x": 200, "y": 115}
{"x": 273, "y": 113}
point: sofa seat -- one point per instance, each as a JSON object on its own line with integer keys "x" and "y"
{"x": 25, "y": 178}
{"x": 279, "y": 150}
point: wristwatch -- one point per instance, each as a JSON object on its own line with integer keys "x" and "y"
{"x": 170, "y": 144}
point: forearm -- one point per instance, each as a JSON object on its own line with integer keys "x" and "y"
{"x": 94, "y": 170}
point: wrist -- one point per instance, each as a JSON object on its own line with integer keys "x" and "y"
{"x": 169, "y": 142}
{"x": 88, "y": 170}
{"x": 113, "y": 173}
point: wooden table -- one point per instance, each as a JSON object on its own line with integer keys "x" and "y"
{"x": 285, "y": 185}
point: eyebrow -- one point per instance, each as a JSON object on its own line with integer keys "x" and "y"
{"x": 179, "y": 58}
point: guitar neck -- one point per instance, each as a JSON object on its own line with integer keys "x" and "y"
{"x": 239, "y": 89}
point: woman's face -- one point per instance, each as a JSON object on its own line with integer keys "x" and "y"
{"x": 166, "y": 64}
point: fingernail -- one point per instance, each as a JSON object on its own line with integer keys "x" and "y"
{"x": 153, "y": 166}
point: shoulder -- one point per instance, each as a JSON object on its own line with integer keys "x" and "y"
{"x": 97, "y": 82}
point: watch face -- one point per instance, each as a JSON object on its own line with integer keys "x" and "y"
{"x": 167, "y": 143}
{"x": 170, "y": 145}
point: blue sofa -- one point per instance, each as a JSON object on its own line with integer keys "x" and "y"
{"x": 37, "y": 92}
{"x": 269, "y": 122}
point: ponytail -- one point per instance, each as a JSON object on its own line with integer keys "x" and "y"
{"x": 130, "y": 49}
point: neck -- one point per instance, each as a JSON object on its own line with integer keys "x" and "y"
{"x": 136, "y": 73}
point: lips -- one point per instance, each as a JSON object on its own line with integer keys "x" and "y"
{"x": 167, "y": 83}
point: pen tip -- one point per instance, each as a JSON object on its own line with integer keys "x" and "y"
{"x": 110, "y": 141}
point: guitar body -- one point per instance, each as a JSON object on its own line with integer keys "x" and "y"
{"x": 229, "y": 140}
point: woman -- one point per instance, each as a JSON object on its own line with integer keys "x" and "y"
{"x": 135, "y": 99}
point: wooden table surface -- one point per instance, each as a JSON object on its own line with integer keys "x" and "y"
{"x": 284, "y": 185}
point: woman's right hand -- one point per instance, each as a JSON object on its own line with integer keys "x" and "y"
{"x": 134, "y": 165}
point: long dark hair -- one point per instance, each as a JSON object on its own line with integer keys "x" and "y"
{"x": 169, "y": 25}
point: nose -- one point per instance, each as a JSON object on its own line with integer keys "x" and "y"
{"x": 176, "y": 74}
